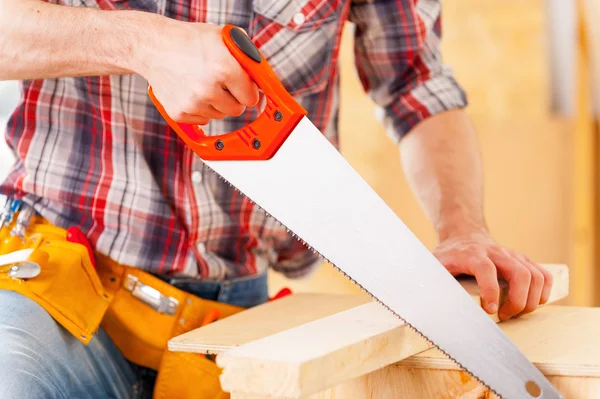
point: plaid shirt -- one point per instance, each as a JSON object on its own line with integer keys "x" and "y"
{"x": 94, "y": 152}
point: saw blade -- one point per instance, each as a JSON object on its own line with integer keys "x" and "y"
{"x": 314, "y": 192}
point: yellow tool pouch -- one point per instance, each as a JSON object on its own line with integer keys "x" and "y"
{"x": 138, "y": 311}
{"x": 67, "y": 285}
{"x": 145, "y": 313}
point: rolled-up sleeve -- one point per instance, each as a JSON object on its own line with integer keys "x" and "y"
{"x": 398, "y": 59}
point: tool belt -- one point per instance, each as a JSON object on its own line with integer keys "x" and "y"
{"x": 138, "y": 311}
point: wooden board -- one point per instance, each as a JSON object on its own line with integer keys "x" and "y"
{"x": 394, "y": 383}
{"x": 326, "y": 352}
{"x": 387, "y": 383}
{"x": 320, "y": 354}
{"x": 559, "y": 340}
{"x": 262, "y": 321}
{"x": 298, "y": 309}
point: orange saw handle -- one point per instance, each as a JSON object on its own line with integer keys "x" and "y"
{"x": 262, "y": 138}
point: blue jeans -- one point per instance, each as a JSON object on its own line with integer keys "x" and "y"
{"x": 41, "y": 360}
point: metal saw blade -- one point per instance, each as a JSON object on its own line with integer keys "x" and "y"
{"x": 315, "y": 193}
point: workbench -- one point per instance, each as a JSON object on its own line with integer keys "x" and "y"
{"x": 321, "y": 346}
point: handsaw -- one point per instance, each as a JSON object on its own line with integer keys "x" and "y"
{"x": 285, "y": 165}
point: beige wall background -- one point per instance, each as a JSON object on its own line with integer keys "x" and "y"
{"x": 499, "y": 53}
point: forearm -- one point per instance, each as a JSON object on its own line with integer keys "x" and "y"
{"x": 41, "y": 40}
{"x": 443, "y": 166}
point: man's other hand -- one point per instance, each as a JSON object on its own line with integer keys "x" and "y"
{"x": 478, "y": 255}
{"x": 194, "y": 76}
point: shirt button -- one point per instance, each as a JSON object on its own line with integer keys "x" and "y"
{"x": 299, "y": 18}
{"x": 201, "y": 248}
{"x": 197, "y": 177}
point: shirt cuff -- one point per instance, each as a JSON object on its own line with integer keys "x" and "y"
{"x": 437, "y": 94}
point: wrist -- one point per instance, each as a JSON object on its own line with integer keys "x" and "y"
{"x": 139, "y": 40}
{"x": 460, "y": 227}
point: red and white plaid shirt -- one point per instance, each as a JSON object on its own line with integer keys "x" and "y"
{"x": 95, "y": 153}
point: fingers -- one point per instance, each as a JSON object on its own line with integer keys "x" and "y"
{"x": 262, "y": 101}
{"x": 518, "y": 277}
{"x": 535, "y": 289}
{"x": 201, "y": 116}
{"x": 243, "y": 89}
{"x": 203, "y": 111}
{"x": 224, "y": 102}
{"x": 529, "y": 285}
{"x": 548, "y": 280}
{"x": 541, "y": 283}
{"x": 220, "y": 105}
{"x": 487, "y": 280}
{"x": 239, "y": 84}
{"x": 192, "y": 119}
{"x": 471, "y": 260}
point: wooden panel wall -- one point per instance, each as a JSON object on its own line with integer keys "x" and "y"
{"x": 498, "y": 52}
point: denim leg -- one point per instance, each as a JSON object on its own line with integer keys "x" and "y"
{"x": 40, "y": 359}
{"x": 244, "y": 292}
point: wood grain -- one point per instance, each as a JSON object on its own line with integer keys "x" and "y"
{"x": 561, "y": 341}
{"x": 326, "y": 352}
{"x": 321, "y": 354}
{"x": 293, "y": 311}
{"x": 390, "y": 383}
{"x": 395, "y": 383}
{"x": 263, "y": 320}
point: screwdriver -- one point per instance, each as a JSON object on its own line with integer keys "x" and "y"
{"x": 5, "y": 211}
{"x": 22, "y": 221}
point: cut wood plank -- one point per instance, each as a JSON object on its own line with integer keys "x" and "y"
{"x": 394, "y": 383}
{"x": 326, "y": 352}
{"x": 263, "y": 320}
{"x": 388, "y": 383}
{"x": 559, "y": 340}
{"x": 289, "y": 312}
{"x": 321, "y": 354}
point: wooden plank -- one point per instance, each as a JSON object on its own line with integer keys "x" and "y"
{"x": 263, "y": 320}
{"x": 559, "y": 340}
{"x": 320, "y": 354}
{"x": 298, "y": 309}
{"x": 395, "y": 383}
{"x": 388, "y": 383}
{"x": 324, "y": 353}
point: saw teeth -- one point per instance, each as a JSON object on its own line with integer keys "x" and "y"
{"x": 431, "y": 343}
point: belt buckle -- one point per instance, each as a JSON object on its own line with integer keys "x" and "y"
{"x": 151, "y": 296}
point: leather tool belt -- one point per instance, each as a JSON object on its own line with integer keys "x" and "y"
{"x": 139, "y": 311}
